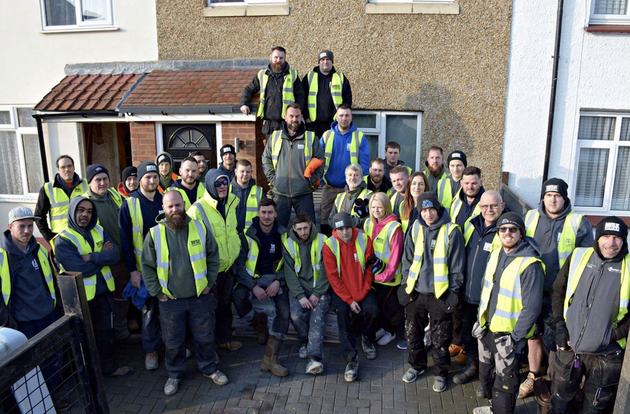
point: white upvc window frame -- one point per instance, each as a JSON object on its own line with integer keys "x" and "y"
{"x": 410, "y": 1}
{"x": 613, "y": 148}
{"x": 244, "y": 3}
{"x": 608, "y": 19}
{"x": 19, "y": 132}
{"x": 80, "y": 24}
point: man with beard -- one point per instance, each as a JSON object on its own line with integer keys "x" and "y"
{"x": 376, "y": 180}
{"x": 558, "y": 230}
{"x": 399, "y": 176}
{"x": 54, "y": 198}
{"x": 392, "y": 158}
{"x": 434, "y": 170}
{"x": 248, "y": 193}
{"x": 259, "y": 275}
{"x": 354, "y": 200}
{"x": 217, "y": 210}
{"x": 285, "y": 158}
{"x": 327, "y": 89}
{"x": 180, "y": 261}
{"x": 344, "y": 144}
{"x": 201, "y": 163}
{"x": 84, "y": 246}
{"x": 279, "y": 86}
{"x": 449, "y": 186}
{"x": 188, "y": 186}
{"x": 228, "y": 160}
{"x": 137, "y": 217}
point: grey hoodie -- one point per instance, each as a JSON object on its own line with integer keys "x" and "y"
{"x": 348, "y": 206}
{"x": 302, "y": 285}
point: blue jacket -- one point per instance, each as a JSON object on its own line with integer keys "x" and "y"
{"x": 340, "y": 158}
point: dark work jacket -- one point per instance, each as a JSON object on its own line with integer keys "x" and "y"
{"x": 326, "y": 109}
{"x": 386, "y": 184}
{"x": 42, "y": 208}
{"x": 477, "y": 254}
{"x": 467, "y": 209}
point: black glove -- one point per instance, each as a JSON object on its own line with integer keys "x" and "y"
{"x": 361, "y": 207}
{"x": 562, "y": 336}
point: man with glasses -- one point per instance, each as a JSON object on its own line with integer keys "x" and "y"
{"x": 511, "y": 298}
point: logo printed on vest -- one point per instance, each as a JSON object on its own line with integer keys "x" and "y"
{"x": 196, "y": 242}
{"x": 611, "y": 227}
{"x": 551, "y": 188}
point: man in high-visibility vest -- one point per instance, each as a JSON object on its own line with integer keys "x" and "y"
{"x": 434, "y": 170}
{"x": 307, "y": 282}
{"x": 449, "y": 186}
{"x": 188, "y": 185}
{"x": 325, "y": 89}
{"x": 180, "y": 262}
{"x": 510, "y": 302}
{"x": 85, "y": 246}
{"x": 558, "y": 230}
{"x": 249, "y": 194}
{"x": 54, "y": 198}
{"x": 376, "y": 180}
{"x": 432, "y": 273}
{"x": 285, "y": 158}
{"x": 590, "y": 310}
{"x": 354, "y": 199}
{"x": 345, "y": 256}
{"x": 392, "y": 158}
{"x": 279, "y": 86}
{"x": 137, "y": 217}
{"x": 343, "y": 144}
{"x": 399, "y": 176}
{"x": 259, "y": 275}
{"x": 480, "y": 237}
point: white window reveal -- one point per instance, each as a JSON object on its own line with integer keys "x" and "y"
{"x": 411, "y": 7}
{"x": 602, "y": 182}
{"x": 243, "y": 2}
{"x": 59, "y": 15}
{"x": 610, "y": 12}
{"x": 20, "y": 155}
{"x": 382, "y": 127}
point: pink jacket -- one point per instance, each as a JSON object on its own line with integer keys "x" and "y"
{"x": 395, "y": 247}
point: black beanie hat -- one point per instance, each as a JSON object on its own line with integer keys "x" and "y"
{"x": 146, "y": 167}
{"x": 227, "y": 149}
{"x": 93, "y": 170}
{"x": 129, "y": 172}
{"x": 457, "y": 155}
{"x": 555, "y": 185}
{"x": 612, "y": 225}
{"x": 428, "y": 200}
{"x": 512, "y": 218}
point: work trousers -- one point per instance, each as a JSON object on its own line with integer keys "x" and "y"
{"x": 349, "y": 322}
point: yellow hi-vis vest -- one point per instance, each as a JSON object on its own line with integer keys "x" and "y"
{"x": 313, "y": 87}
{"x": 59, "y": 203}
{"x": 84, "y": 248}
{"x": 496, "y": 241}
{"x": 252, "y": 258}
{"x": 44, "y": 268}
{"x": 456, "y": 207}
{"x": 251, "y": 204}
{"x": 224, "y": 230}
{"x": 287, "y": 91}
{"x": 382, "y": 247}
{"x": 579, "y": 260}
{"x": 360, "y": 244}
{"x": 113, "y": 193}
{"x": 440, "y": 258}
{"x": 355, "y": 144}
{"x": 397, "y": 201}
{"x": 509, "y": 301}
{"x": 445, "y": 192}
{"x": 341, "y": 199}
{"x": 316, "y": 255}
{"x": 137, "y": 226}
{"x": 276, "y": 146}
{"x": 196, "y": 252}
{"x": 187, "y": 202}
{"x": 567, "y": 237}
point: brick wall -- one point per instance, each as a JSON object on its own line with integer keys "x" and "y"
{"x": 142, "y": 142}
{"x": 250, "y": 144}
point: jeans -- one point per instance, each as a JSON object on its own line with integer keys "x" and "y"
{"x": 350, "y": 322}
{"x": 302, "y": 204}
{"x": 151, "y": 332}
{"x": 311, "y": 324}
{"x": 198, "y": 314}
{"x": 391, "y": 314}
{"x": 243, "y": 296}
{"x": 224, "y": 286}
{"x": 102, "y": 314}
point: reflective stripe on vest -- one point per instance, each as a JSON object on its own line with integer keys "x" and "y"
{"x": 59, "y": 203}
{"x": 397, "y": 201}
{"x": 287, "y": 91}
{"x": 313, "y": 87}
{"x": 496, "y": 241}
{"x": 315, "y": 253}
{"x": 382, "y": 247}
{"x": 579, "y": 260}
{"x": 251, "y": 207}
{"x": 201, "y": 191}
{"x": 252, "y": 258}
{"x": 83, "y": 247}
{"x": 341, "y": 200}
{"x": 440, "y": 258}
{"x": 445, "y": 192}
{"x": 360, "y": 244}
{"x": 137, "y": 226}
{"x": 509, "y": 301}
{"x": 566, "y": 244}
{"x": 45, "y": 270}
{"x": 276, "y": 146}
{"x": 196, "y": 252}
{"x": 355, "y": 144}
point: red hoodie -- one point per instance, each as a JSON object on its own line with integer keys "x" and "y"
{"x": 354, "y": 284}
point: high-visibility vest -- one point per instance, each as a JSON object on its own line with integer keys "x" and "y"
{"x": 187, "y": 202}
{"x": 341, "y": 199}
{"x": 509, "y": 301}
{"x": 360, "y": 244}
{"x": 355, "y": 144}
{"x": 223, "y": 229}
{"x": 426, "y": 172}
{"x": 137, "y": 227}
{"x": 456, "y": 207}
{"x": 440, "y": 258}
{"x": 59, "y": 203}
{"x": 83, "y": 247}
{"x": 397, "y": 201}
{"x": 336, "y": 85}
{"x": 579, "y": 261}
{"x": 566, "y": 244}
{"x": 382, "y": 247}
{"x": 113, "y": 193}
{"x": 288, "y": 96}
{"x": 276, "y": 146}
{"x": 315, "y": 253}
{"x": 468, "y": 232}
{"x": 44, "y": 268}
{"x": 252, "y": 258}
{"x": 445, "y": 192}
{"x": 196, "y": 252}
{"x": 251, "y": 204}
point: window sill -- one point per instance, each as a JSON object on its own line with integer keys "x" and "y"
{"x": 81, "y": 29}
{"x": 608, "y": 28}
{"x": 249, "y": 10}
{"x": 19, "y": 199}
{"x": 411, "y": 8}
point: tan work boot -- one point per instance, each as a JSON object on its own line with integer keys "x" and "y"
{"x": 270, "y": 360}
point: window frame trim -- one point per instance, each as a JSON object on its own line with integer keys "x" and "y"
{"x": 80, "y": 25}
{"x": 607, "y": 19}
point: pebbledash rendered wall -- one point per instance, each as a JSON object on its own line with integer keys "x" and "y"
{"x": 452, "y": 67}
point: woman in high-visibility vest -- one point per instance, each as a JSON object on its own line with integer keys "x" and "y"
{"x": 416, "y": 185}
{"x": 387, "y": 239}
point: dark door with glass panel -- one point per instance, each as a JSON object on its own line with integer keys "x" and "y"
{"x": 182, "y": 140}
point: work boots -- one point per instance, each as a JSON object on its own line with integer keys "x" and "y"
{"x": 259, "y": 323}
{"x": 471, "y": 372}
{"x": 270, "y": 360}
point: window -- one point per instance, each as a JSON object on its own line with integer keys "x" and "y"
{"x": 610, "y": 12}
{"x": 76, "y": 14}
{"x": 602, "y": 181}
{"x": 180, "y": 140}
{"x": 20, "y": 154}
{"x": 382, "y": 127}
{"x": 411, "y": 7}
